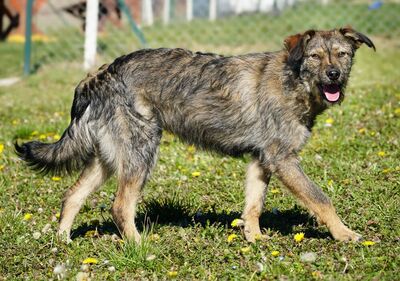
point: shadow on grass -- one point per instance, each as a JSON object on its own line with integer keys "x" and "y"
{"x": 179, "y": 213}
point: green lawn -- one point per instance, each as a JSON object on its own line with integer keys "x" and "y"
{"x": 193, "y": 196}
{"x": 11, "y": 59}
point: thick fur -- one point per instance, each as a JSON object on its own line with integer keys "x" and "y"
{"x": 264, "y": 104}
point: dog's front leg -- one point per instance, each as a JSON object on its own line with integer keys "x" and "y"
{"x": 291, "y": 174}
{"x": 257, "y": 179}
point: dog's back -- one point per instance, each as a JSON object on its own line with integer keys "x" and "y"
{"x": 216, "y": 102}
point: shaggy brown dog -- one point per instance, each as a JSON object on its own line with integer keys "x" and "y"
{"x": 264, "y": 104}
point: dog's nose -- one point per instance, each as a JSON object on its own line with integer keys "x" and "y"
{"x": 333, "y": 74}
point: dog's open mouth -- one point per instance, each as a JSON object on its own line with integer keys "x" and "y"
{"x": 331, "y": 92}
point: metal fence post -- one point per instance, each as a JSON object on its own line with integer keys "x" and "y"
{"x": 92, "y": 12}
{"x": 28, "y": 37}
{"x": 135, "y": 28}
{"x": 189, "y": 10}
{"x": 166, "y": 11}
{"x": 212, "y": 13}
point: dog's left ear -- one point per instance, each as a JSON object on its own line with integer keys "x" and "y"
{"x": 296, "y": 44}
{"x": 357, "y": 38}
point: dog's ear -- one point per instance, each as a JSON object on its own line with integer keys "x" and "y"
{"x": 296, "y": 44}
{"x": 356, "y": 38}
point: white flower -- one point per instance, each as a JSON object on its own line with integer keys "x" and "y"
{"x": 59, "y": 271}
{"x": 36, "y": 235}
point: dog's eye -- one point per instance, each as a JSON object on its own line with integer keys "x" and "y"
{"x": 315, "y": 56}
{"x": 342, "y": 54}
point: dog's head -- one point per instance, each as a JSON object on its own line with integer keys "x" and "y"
{"x": 323, "y": 59}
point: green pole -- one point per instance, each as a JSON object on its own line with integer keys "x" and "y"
{"x": 135, "y": 28}
{"x": 28, "y": 37}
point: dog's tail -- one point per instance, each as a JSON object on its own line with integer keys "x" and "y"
{"x": 74, "y": 149}
{"x": 76, "y": 146}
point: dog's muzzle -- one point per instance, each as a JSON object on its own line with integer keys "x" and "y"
{"x": 331, "y": 92}
{"x": 333, "y": 74}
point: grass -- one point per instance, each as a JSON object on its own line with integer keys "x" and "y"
{"x": 193, "y": 196}
{"x": 11, "y": 59}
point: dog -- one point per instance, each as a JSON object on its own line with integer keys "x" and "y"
{"x": 263, "y": 104}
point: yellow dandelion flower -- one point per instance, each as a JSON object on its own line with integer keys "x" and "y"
{"x": 381, "y": 153}
{"x": 245, "y": 250}
{"x": 196, "y": 174}
{"x": 1, "y": 167}
{"x": 298, "y": 237}
{"x": 191, "y": 149}
{"x": 346, "y": 181}
{"x": 154, "y": 237}
{"x": 361, "y": 131}
{"x": 91, "y": 233}
{"x": 15, "y": 122}
{"x": 372, "y": 133}
{"x": 56, "y": 178}
{"x": 316, "y": 274}
{"x": 368, "y": 243}
{"x": 237, "y": 222}
{"x": 42, "y": 136}
{"x": 56, "y": 137}
{"x": 59, "y": 113}
{"x": 90, "y": 261}
{"x": 397, "y": 111}
{"x": 330, "y": 182}
{"x": 1, "y": 148}
{"x": 259, "y": 237}
{"x": 57, "y": 215}
{"x": 172, "y": 274}
{"x": 386, "y": 171}
{"x": 34, "y": 133}
{"x": 329, "y": 121}
{"x": 275, "y": 190}
{"x": 275, "y": 253}
{"x": 27, "y": 216}
{"x": 231, "y": 237}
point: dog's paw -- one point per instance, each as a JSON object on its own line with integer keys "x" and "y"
{"x": 345, "y": 234}
{"x": 131, "y": 235}
{"x": 64, "y": 237}
{"x": 253, "y": 235}
{"x": 252, "y": 238}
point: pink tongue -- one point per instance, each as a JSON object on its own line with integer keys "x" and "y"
{"x": 331, "y": 92}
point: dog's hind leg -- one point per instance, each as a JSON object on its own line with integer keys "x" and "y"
{"x": 92, "y": 177}
{"x": 131, "y": 178}
{"x": 126, "y": 199}
{"x": 257, "y": 179}
{"x": 291, "y": 174}
{"x": 136, "y": 144}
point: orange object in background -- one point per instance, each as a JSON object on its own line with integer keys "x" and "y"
{"x": 15, "y": 11}
{"x": 19, "y": 7}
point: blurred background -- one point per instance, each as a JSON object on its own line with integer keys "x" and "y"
{"x": 222, "y": 26}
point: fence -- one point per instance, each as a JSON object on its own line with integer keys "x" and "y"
{"x": 224, "y": 26}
